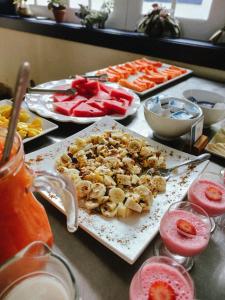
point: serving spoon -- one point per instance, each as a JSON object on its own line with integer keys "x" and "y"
{"x": 166, "y": 173}
{"x": 20, "y": 90}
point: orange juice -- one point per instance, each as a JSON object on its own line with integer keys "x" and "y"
{"x": 22, "y": 218}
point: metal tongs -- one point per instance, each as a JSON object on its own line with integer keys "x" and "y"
{"x": 70, "y": 91}
{"x": 101, "y": 77}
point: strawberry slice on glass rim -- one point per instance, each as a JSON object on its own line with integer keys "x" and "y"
{"x": 161, "y": 290}
{"x": 185, "y": 228}
{"x": 213, "y": 193}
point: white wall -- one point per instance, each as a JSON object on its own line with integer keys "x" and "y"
{"x": 53, "y": 59}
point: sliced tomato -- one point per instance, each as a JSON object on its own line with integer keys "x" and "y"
{"x": 66, "y": 108}
{"x": 85, "y": 110}
{"x": 121, "y": 93}
{"x": 115, "y": 107}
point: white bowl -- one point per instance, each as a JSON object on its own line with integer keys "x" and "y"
{"x": 165, "y": 127}
{"x": 211, "y": 115}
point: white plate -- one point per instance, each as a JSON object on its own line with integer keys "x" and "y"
{"x": 126, "y": 237}
{"x": 47, "y": 126}
{"x": 157, "y": 86}
{"x": 43, "y": 104}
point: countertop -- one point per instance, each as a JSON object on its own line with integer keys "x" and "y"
{"x": 101, "y": 274}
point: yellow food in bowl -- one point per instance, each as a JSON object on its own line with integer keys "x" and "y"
{"x": 25, "y": 126}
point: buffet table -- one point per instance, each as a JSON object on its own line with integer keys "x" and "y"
{"x": 101, "y": 274}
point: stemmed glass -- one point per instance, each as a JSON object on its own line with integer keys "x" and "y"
{"x": 185, "y": 232}
{"x": 208, "y": 191}
{"x": 161, "y": 277}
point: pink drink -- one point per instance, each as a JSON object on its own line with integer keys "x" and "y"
{"x": 158, "y": 271}
{"x": 197, "y": 195}
{"x": 179, "y": 243}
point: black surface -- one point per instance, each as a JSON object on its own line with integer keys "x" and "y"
{"x": 183, "y": 50}
{"x": 7, "y": 7}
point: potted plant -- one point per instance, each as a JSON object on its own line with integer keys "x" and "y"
{"x": 22, "y": 8}
{"x": 159, "y": 23}
{"x": 58, "y": 8}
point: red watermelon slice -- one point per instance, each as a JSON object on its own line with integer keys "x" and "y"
{"x": 115, "y": 107}
{"x": 62, "y": 98}
{"x": 66, "y": 108}
{"x": 85, "y": 110}
{"x": 99, "y": 104}
{"x": 120, "y": 93}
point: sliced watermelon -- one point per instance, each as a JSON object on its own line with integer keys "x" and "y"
{"x": 85, "y": 110}
{"x": 115, "y": 107}
{"x": 120, "y": 93}
{"x": 79, "y": 80}
{"x": 89, "y": 89}
{"x": 97, "y": 104}
{"x": 62, "y": 98}
{"x": 101, "y": 95}
{"x": 124, "y": 101}
{"x": 66, "y": 108}
{"x": 79, "y": 97}
{"x": 105, "y": 88}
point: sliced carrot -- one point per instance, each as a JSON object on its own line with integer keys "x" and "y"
{"x": 178, "y": 73}
{"x": 157, "y": 78}
{"x": 129, "y": 70}
{"x": 131, "y": 66}
{"x": 140, "y": 83}
{"x": 112, "y": 78}
{"x": 152, "y": 62}
{"x": 130, "y": 85}
{"x": 125, "y": 73}
{"x": 102, "y": 71}
{"x": 183, "y": 71}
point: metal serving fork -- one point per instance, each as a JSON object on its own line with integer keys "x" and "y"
{"x": 167, "y": 172}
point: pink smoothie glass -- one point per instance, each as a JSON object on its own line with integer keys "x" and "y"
{"x": 185, "y": 232}
{"x": 208, "y": 191}
{"x": 160, "y": 275}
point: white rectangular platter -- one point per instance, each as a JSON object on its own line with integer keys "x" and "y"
{"x": 157, "y": 86}
{"x": 126, "y": 237}
{"x": 47, "y": 126}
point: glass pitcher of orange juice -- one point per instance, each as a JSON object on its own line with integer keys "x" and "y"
{"x": 22, "y": 218}
{"x": 36, "y": 272}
